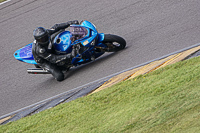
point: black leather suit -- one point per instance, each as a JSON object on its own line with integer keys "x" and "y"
{"x": 44, "y": 56}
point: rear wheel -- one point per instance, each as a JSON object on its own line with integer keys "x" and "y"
{"x": 114, "y": 42}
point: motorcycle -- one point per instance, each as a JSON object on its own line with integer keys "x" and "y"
{"x": 84, "y": 38}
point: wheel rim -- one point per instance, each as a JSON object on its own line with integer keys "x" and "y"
{"x": 116, "y": 44}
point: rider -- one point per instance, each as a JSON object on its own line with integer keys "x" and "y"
{"x": 42, "y": 49}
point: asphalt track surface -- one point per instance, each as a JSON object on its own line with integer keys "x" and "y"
{"x": 151, "y": 28}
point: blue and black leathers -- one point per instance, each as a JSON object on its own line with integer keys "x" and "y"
{"x": 42, "y": 49}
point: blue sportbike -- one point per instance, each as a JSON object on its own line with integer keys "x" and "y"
{"x": 84, "y": 38}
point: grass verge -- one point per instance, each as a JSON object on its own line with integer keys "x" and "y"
{"x": 166, "y": 100}
{"x": 2, "y": 1}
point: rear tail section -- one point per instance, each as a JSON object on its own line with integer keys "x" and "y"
{"x": 25, "y": 54}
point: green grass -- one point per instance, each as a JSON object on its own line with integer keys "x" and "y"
{"x": 2, "y": 1}
{"x": 166, "y": 100}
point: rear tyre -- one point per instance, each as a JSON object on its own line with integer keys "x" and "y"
{"x": 114, "y": 42}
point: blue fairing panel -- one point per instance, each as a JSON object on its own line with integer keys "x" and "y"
{"x": 100, "y": 37}
{"x": 89, "y": 25}
{"x": 25, "y": 54}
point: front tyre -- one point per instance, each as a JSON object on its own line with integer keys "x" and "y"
{"x": 114, "y": 42}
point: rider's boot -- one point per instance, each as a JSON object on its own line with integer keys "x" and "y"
{"x": 54, "y": 70}
{"x": 58, "y": 74}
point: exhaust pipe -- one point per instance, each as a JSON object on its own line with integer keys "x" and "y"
{"x": 37, "y": 71}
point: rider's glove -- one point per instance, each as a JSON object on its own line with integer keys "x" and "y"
{"x": 74, "y": 22}
{"x": 74, "y": 52}
{"x": 77, "y": 50}
{"x": 68, "y": 56}
{"x": 57, "y": 27}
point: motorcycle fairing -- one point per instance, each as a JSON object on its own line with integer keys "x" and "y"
{"x": 94, "y": 32}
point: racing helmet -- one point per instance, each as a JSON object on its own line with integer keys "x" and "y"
{"x": 41, "y": 36}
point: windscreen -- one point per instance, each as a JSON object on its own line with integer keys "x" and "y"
{"x": 77, "y": 32}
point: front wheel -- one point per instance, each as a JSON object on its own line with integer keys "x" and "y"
{"x": 114, "y": 42}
